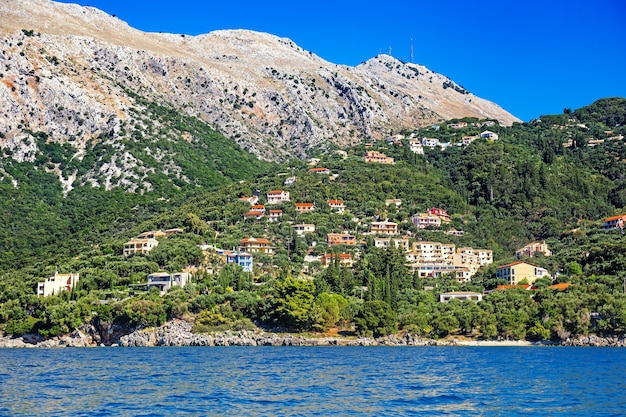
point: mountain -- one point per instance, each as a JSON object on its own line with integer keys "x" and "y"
{"x": 77, "y": 77}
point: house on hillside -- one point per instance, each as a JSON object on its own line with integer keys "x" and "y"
{"x": 378, "y": 157}
{"x": 415, "y": 146}
{"x": 489, "y": 135}
{"x": 340, "y": 239}
{"x": 384, "y": 228}
{"x": 304, "y": 207}
{"x": 393, "y": 202}
{"x": 533, "y": 248}
{"x": 289, "y": 181}
{"x": 153, "y": 234}
{"x": 344, "y": 259}
{"x": 614, "y": 222}
{"x": 319, "y": 170}
{"x": 274, "y": 215}
{"x": 457, "y": 125}
{"x": 460, "y": 295}
{"x": 441, "y": 213}
{"x": 250, "y": 200}
{"x": 258, "y": 245}
{"x": 336, "y": 205}
{"x": 255, "y": 215}
{"x": 277, "y": 196}
{"x": 401, "y": 243}
{"x": 519, "y": 271}
{"x": 243, "y": 259}
{"x": 430, "y": 143}
{"x": 304, "y": 228}
{"x": 57, "y": 283}
{"x": 140, "y": 246}
{"x": 164, "y": 280}
{"x": 423, "y": 220}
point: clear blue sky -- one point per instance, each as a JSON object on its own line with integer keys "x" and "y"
{"x": 531, "y": 57}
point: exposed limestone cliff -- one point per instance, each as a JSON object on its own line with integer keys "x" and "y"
{"x": 74, "y": 74}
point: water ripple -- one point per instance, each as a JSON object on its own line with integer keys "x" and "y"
{"x": 310, "y": 381}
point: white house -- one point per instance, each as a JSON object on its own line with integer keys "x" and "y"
{"x": 59, "y": 282}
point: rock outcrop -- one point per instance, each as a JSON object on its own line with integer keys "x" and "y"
{"x": 179, "y": 333}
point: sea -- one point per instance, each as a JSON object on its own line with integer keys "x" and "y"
{"x": 313, "y": 381}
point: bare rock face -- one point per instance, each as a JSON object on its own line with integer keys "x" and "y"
{"x": 71, "y": 74}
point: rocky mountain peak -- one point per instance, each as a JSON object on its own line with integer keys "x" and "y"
{"x": 73, "y": 74}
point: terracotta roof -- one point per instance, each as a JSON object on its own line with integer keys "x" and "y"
{"x": 255, "y": 240}
{"x": 615, "y": 218}
{"x": 517, "y": 263}
{"x": 275, "y": 192}
{"x": 304, "y": 204}
{"x": 561, "y": 286}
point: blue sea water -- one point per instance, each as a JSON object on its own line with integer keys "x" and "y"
{"x": 313, "y": 381}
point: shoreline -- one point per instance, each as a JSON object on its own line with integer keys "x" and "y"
{"x": 178, "y": 333}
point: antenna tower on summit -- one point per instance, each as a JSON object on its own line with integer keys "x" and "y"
{"x": 412, "y": 61}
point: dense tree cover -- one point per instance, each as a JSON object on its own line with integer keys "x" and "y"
{"x": 525, "y": 186}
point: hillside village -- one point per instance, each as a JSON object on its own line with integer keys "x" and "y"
{"x": 334, "y": 234}
{"x": 463, "y": 227}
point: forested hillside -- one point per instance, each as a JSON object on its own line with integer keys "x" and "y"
{"x": 553, "y": 179}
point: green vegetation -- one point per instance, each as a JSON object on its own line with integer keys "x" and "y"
{"x": 553, "y": 179}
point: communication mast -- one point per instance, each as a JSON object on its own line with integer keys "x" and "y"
{"x": 412, "y": 61}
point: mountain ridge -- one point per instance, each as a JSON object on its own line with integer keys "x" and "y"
{"x": 68, "y": 71}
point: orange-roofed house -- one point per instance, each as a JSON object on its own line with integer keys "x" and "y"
{"x": 519, "y": 271}
{"x": 320, "y": 170}
{"x": 274, "y": 215}
{"x": 256, "y": 215}
{"x": 614, "y": 222}
{"x": 258, "y": 245}
{"x": 378, "y": 157}
{"x": 344, "y": 259}
{"x": 336, "y": 205}
{"x": 258, "y": 207}
{"x": 340, "y": 239}
{"x": 277, "y": 196}
{"x": 305, "y": 207}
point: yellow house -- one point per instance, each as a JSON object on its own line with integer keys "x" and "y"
{"x": 140, "y": 246}
{"x": 519, "y": 271}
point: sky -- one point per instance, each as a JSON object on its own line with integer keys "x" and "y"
{"x": 532, "y": 58}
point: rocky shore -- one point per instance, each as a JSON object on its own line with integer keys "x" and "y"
{"x": 178, "y": 333}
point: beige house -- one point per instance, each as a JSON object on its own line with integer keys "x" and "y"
{"x": 58, "y": 283}
{"x": 401, "y": 243}
{"x": 141, "y": 246}
{"x": 384, "y": 228}
{"x": 304, "y": 228}
{"x": 519, "y": 271}
{"x": 258, "y": 245}
{"x": 377, "y": 157}
{"x": 304, "y": 207}
{"x": 532, "y": 248}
